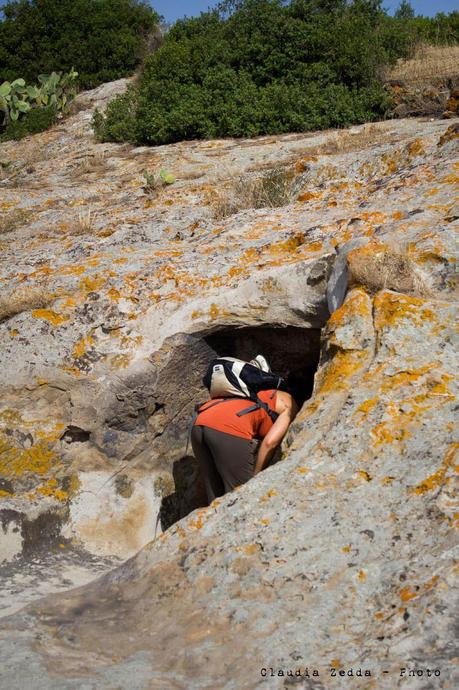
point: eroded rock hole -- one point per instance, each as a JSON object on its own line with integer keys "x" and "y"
{"x": 292, "y": 352}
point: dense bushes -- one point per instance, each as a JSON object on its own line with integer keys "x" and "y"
{"x": 36, "y": 120}
{"x": 102, "y": 39}
{"x": 264, "y": 66}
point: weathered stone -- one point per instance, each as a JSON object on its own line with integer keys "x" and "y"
{"x": 341, "y": 554}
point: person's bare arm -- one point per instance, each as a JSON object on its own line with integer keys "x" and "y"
{"x": 277, "y": 432}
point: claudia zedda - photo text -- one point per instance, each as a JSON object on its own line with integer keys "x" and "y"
{"x": 349, "y": 672}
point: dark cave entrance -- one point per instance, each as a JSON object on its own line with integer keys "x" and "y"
{"x": 290, "y": 350}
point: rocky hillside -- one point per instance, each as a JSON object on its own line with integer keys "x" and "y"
{"x": 331, "y": 253}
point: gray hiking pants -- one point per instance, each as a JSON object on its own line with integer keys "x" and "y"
{"x": 225, "y": 460}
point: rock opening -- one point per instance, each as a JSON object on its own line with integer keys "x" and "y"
{"x": 290, "y": 350}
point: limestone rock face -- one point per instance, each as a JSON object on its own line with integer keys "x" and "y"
{"x": 114, "y": 299}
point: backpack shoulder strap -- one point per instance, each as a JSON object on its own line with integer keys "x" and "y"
{"x": 259, "y": 404}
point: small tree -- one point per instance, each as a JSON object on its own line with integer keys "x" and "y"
{"x": 404, "y": 10}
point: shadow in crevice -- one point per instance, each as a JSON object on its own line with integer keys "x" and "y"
{"x": 189, "y": 492}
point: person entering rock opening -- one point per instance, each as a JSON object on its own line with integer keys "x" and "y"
{"x": 234, "y": 439}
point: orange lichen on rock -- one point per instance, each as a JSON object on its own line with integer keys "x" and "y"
{"x": 289, "y": 245}
{"x": 339, "y": 371}
{"x": 197, "y": 522}
{"x": 308, "y": 196}
{"x": 392, "y": 308}
{"x": 440, "y": 477}
{"x": 365, "y": 408}
{"x": 48, "y": 315}
{"x": 406, "y": 594}
{"x": 92, "y": 283}
{"x": 82, "y": 346}
{"x": 416, "y": 148}
{"x": 17, "y": 462}
{"x": 356, "y": 306}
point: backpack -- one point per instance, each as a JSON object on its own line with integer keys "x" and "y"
{"x": 229, "y": 378}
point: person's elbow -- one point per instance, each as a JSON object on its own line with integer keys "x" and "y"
{"x": 270, "y": 443}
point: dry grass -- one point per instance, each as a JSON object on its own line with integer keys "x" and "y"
{"x": 271, "y": 189}
{"x": 5, "y": 168}
{"x": 429, "y": 62}
{"x": 24, "y": 299}
{"x": 90, "y": 164}
{"x": 13, "y": 220}
{"x": 378, "y": 267}
{"x": 355, "y": 139}
{"x": 83, "y": 224}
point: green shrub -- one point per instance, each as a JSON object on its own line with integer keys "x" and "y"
{"x": 254, "y": 67}
{"x": 102, "y": 39}
{"x": 36, "y": 120}
{"x": 120, "y": 122}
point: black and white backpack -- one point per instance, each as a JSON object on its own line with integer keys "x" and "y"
{"x": 228, "y": 378}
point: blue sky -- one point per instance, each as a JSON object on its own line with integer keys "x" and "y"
{"x": 173, "y": 9}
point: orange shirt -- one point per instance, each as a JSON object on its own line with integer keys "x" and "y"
{"x": 223, "y": 417}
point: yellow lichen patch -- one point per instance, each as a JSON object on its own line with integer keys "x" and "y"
{"x": 340, "y": 369}
{"x": 48, "y": 315}
{"x": 16, "y": 461}
{"x": 82, "y": 346}
{"x": 387, "y": 481}
{"x": 346, "y": 549}
{"x": 362, "y": 576}
{"x": 405, "y": 378}
{"x": 438, "y": 478}
{"x": 114, "y": 294}
{"x": 393, "y": 308}
{"x": 365, "y": 475}
{"x": 308, "y": 196}
{"x": 416, "y": 148}
{"x": 303, "y": 470}
{"x": 268, "y": 495}
{"x": 264, "y": 521}
{"x": 120, "y": 361}
{"x": 51, "y": 489}
{"x": 196, "y": 313}
{"x": 452, "y": 179}
{"x": 14, "y": 333}
{"x": 335, "y": 663}
{"x": 92, "y": 283}
{"x": 251, "y": 549}
{"x": 406, "y": 594}
{"x": 289, "y": 245}
{"x": 5, "y": 494}
{"x": 72, "y": 270}
{"x": 365, "y": 408}
{"x": 197, "y": 523}
{"x": 356, "y": 306}
{"x": 213, "y": 311}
